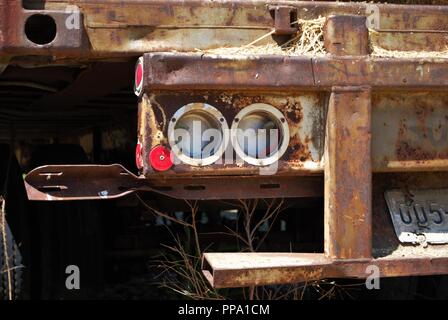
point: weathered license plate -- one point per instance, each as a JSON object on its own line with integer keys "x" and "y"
{"x": 419, "y": 215}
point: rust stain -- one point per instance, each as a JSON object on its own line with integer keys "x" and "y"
{"x": 405, "y": 151}
{"x": 111, "y": 15}
{"x": 256, "y": 18}
{"x": 294, "y": 115}
{"x": 229, "y": 104}
{"x": 273, "y": 276}
{"x": 348, "y": 164}
{"x": 298, "y": 151}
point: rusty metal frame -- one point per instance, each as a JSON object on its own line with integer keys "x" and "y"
{"x": 348, "y": 236}
{"x": 88, "y": 182}
{"x": 347, "y": 74}
{"x": 14, "y": 41}
{"x": 227, "y": 270}
{"x": 290, "y": 73}
{"x": 112, "y": 28}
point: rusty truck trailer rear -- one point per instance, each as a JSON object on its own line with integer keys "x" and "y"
{"x": 360, "y": 102}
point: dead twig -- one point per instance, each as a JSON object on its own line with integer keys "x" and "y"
{"x": 181, "y": 270}
{"x": 7, "y": 268}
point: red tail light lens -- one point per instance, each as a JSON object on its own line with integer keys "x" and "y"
{"x": 138, "y": 81}
{"x": 139, "y": 156}
{"x": 160, "y": 158}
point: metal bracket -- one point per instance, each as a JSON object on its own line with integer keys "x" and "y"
{"x": 92, "y": 182}
{"x": 285, "y": 19}
{"x": 81, "y": 182}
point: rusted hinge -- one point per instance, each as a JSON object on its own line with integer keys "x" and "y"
{"x": 285, "y": 19}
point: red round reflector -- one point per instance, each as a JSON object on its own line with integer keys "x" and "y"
{"x": 139, "y": 156}
{"x": 138, "y": 80}
{"x": 160, "y": 158}
{"x": 138, "y": 75}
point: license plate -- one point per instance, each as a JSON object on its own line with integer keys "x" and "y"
{"x": 419, "y": 216}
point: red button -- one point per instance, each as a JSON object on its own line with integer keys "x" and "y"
{"x": 160, "y": 158}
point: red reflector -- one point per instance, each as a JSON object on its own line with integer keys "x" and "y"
{"x": 138, "y": 80}
{"x": 138, "y": 75}
{"x": 139, "y": 156}
{"x": 160, "y": 158}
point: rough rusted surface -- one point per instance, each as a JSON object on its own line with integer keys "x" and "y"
{"x": 165, "y": 71}
{"x": 249, "y": 187}
{"x": 117, "y": 28}
{"x": 284, "y": 19}
{"x": 405, "y": 151}
{"x": 410, "y": 41}
{"x": 381, "y": 73}
{"x": 88, "y": 182}
{"x": 180, "y": 72}
{"x": 348, "y": 175}
{"x": 68, "y": 41}
{"x": 414, "y": 148}
{"x": 409, "y": 131}
{"x": 304, "y": 114}
{"x": 227, "y": 270}
{"x": 346, "y": 35}
{"x": 81, "y": 182}
{"x": 246, "y": 269}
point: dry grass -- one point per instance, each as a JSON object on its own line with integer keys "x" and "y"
{"x": 383, "y": 53}
{"x": 307, "y": 41}
{"x": 252, "y": 223}
{"x": 181, "y": 273}
{"x": 248, "y": 236}
{"x": 181, "y": 268}
{"x": 7, "y": 268}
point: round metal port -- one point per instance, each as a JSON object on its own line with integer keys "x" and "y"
{"x": 198, "y": 134}
{"x": 260, "y": 134}
{"x": 40, "y": 29}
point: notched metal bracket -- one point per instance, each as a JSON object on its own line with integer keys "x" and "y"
{"x": 94, "y": 182}
{"x": 285, "y": 19}
{"x": 81, "y": 182}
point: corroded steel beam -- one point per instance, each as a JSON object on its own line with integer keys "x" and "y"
{"x": 227, "y": 270}
{"x": 352, "y": 79}
{"x": 407, "y": 109}
{"x": 117, "y": 28}
{"x": 174, "y": 71}
{"x": 87, "y": 182}
{"x": 348, "y": 174}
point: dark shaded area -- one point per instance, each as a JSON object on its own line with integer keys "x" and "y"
{"x": 33, "y": 4}
{"x": 55, "y": 102}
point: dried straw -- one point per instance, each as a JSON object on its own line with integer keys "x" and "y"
{"x": 384, "y": 53}
{"x": 307, "y": 41}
